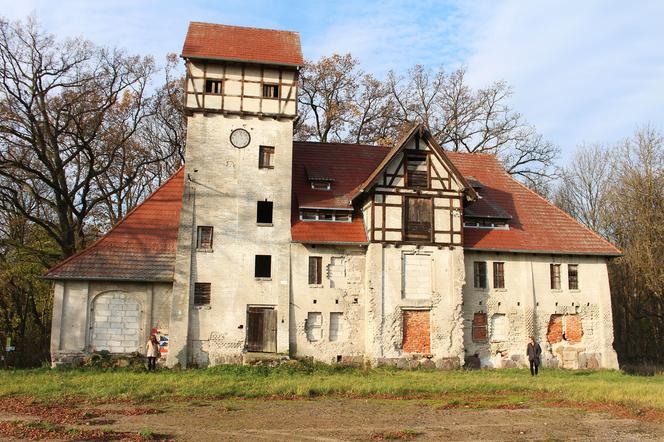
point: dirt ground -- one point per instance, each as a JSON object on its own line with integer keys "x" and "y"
{"x": 328, "y": 420}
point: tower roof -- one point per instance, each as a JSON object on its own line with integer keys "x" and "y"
{"x": 235, "y": 43}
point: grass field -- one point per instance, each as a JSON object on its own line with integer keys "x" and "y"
{"x": 306, "y": 380}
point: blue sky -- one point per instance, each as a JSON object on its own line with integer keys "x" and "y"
{"x": 582, "y": 71}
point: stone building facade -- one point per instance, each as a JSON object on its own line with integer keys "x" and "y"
{"x": 405, "y": 256}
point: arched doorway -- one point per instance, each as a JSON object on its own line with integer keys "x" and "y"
{"x": 116, "y": 323}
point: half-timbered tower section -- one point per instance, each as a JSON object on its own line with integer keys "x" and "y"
{"x": 264, "y": 247}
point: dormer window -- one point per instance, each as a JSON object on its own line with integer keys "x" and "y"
{"x": 213, "y": 86}
{"x": 321, "y": 185}
{"x": 329, "y": 215}
{"x": 320, "y": 177}
{"x": 486, "y": 223}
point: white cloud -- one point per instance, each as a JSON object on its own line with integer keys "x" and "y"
{"x": 581, "y": 71}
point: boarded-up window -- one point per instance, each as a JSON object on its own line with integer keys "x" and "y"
{"x": 213, "y": 86}
{"x": 416, "y": 334}
{"x": 479, "y": 333}
{"x": 204, "y": 237}
{"x": 266, "y": 157}
{"x": 264, "y": 212}
{"x": 499, "y": 275}
{"x": 418, "y": 175}
{"x": 498, "y": 327}
{"x": 270, "y": 91}
{"x": 315, "y": 270}
{"x": 202, "y": 292}
{"x": 573, "y": 276}
{"x": 336, "y": 326}
{"x": 417, "y": 276}
{"x": 418, "y": 219}
{"x": 479, "y": 274}
{"x": 263, "y": 268}
{"x": 555, "y": 276}
{"x": 564, "y": 328}
{"x": 336, "y": 272}
{"x": 314, "y": 326}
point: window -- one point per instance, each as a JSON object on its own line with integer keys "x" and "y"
{"x": 314, "y": 326}
{"x": 418, "y": 219}
{"x": 317, "y": 215}
{"x": 479, "y": 274}
{"x": 498, "y": 275}
{"x": 479, "y": 327}
{"x": 498, "y": 327}
{"x": 336, "y": 326}
{"x": 270, "y": 90}
{"x": 266, "y": 157}
{"x": 204, "y": 238}
{"x": 263, "y": 266}
{"x": 418, "y": 175}
{"x": 321, "y": 185}
{"x": 315, "y": 270}
{"x": 573, "y": 276}
{"x": 202, "y": 292}
{"x": 264, "y": 212}
{"x": 213, "y": 86}
{"x": 555, "y": 276}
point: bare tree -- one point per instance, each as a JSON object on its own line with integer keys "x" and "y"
{"x": 69, "y": 112}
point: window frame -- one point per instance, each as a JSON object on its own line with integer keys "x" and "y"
{"x": 315, "y": 275}
{"x": 480, "y": 275}
{"x": 258, "y": 265}
{"x": 410, "y": 174}
{"x": 575, "y": 280}
{"x": 205, "y": 287}
{"x": 264, "y": 221}
{"x": 273, "y": 87}
{"x": 199, "y": 239}
{"x": 212, "y": 82}
{"x": 555, "y": 276}
{"x": 315, "y": 216}
{"x": 261, "y": 157}
{"x": 498, "y": 274}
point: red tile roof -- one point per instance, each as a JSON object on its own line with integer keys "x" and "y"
{"x": 536, "y": 224}
{"x": 223, "y": 42}
{"x": 348, "y": 165}
{"x": 141, "y": 247}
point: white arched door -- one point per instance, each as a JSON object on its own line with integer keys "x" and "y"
{"x": 116, "y": 323}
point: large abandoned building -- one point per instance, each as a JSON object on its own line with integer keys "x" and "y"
{"x": 405, "y": 255}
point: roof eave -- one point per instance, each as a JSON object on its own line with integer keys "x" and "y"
{"x": 103, "y": 278}
{"x": 335, "y": 243}
{"x": 544, "y": 252}
{"x": 242, "y": 60}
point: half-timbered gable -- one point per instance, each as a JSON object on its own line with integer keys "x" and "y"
{"x": 416, "y": 195}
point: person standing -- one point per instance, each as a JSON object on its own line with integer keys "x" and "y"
{"x": 152, "y": 352}
{"x": 534, "y": 352}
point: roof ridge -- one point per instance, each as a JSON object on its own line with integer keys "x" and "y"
{"x": 243, "y": 27}
{"x": 105, "y": 235}
{"x": 570, "y": 217}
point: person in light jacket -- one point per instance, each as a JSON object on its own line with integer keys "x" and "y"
{"x": 152, "y": 352}
{"x": 534, "y": 352}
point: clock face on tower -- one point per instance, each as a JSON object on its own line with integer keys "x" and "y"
{"x": 240, "y": 138}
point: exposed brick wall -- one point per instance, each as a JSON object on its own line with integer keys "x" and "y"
{"x": 567, "y": 328}
{"x": 479, "y": 327}
{"x": 416, "y": 331}
{"x": 573, "y": 329}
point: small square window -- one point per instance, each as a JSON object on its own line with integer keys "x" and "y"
{"x": 202, "y": 291}
{"x": 555, "y": 276}
{"x": 204, "y": 237}
{"x": 263, "y": 267}
{"x": 573, "y": 276}
{"x": 213, "y": 86}
{"x": 266, "y": 157}
{"x": 315, "y": 270}
{"x": 479, "y": 274}
{"x": 264, "y": 212}
{"x": 270, "y": 90}
{"x": 498, "y": 275}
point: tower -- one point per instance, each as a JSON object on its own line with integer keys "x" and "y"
{"x": 231, "y": 286}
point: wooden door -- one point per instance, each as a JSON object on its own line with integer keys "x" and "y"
{"x": 262, "y": 329}
{"x": 418, "y": 219}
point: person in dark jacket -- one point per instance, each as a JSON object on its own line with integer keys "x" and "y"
{"x": 534, "y": 352}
